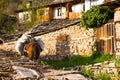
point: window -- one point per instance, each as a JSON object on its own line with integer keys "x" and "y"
{"x": 27, "y": 16}
{"x": 59, "y": 12}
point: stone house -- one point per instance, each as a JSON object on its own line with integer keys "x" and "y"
{"x": 57, "y": 9}
{"x": 62, "y": 36}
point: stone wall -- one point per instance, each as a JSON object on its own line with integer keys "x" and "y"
{"x": 73, "y": 40}
{"x": 117, "y": 27}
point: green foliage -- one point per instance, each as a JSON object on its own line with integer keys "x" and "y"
{"x": 103, "y": 76}
{"x": 7, "y": 23}
{"x": 8, "y": 6}
{"x": 79, "y": 60}
{"x": 117, "y": 62}
{"x": 41, "y": 12}
{"x": 33, "y": 15}
{"x": 101, "y": 56}
{"x": 96, "y": 17}
{"x": 87, "y": 72}
{"x": 27, "y": 25}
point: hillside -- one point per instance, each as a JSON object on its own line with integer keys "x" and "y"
{"x": 9, "y": 6}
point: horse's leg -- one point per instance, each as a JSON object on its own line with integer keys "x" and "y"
{"x": 36, "y": 52}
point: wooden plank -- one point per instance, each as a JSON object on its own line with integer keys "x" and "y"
{"x": 108, "y": 30}
{"x": 98, "y": 43}
{"x": 101, "y": 31}
{"x": 112, "y": 32}
{"x": 98, "y": 34}
{"x": 105, "y": 30}
{"x": 110, "y": 46}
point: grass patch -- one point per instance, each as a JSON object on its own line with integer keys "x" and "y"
{"x": 79, "y": 60}
{"x": 103, "y": 76}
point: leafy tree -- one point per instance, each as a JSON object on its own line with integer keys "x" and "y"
{"x": 9, "y": 6}
{"x": 7, "y": 23}
{"x": 96, "y": 17}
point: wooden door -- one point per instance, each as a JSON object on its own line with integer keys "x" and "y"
{"x": 106, "y": 38}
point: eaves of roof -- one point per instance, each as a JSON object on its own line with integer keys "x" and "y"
{"x": 111, "y": 4}
{"x": 59, "y": 2}
{"x": 49, "y": 4}
{"x": 27, "y": 9}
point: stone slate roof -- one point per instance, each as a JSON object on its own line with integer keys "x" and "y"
{"x": 43, "y": 28}
{"x": 59, "y": 1}
{"x": 54, "y": 25}
{"x": 111, "y": 4}
{"x": 63, "y": 1}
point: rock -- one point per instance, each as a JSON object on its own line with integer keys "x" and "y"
{"x": 25, "y": 73}
{"x": 64, "y": 75}
{"x": 112, "y": 64}
{"x": 98, "y": 64}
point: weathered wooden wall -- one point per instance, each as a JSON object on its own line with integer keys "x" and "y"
{"x": 105, "y": 38}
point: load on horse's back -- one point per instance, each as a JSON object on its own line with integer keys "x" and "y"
{"x": 29, "y": 46}
{"x": 32, "y": 49}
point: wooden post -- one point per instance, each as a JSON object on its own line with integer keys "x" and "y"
{"x": 67, "y": 10}
{"x": 50, "y": 13}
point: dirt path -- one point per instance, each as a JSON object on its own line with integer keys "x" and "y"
{"x": 9, "y": 58}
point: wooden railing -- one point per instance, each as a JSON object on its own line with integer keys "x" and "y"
{"x": 43, "y": 18}
{"x": 74, "y": 15}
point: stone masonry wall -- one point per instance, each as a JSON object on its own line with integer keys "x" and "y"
{"x": 117, "y": 27}
{"x": 73, "y": 40}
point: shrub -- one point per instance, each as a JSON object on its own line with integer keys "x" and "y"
{"x": 96, "y": 16}
{"x": 7, "y": 23}
{"x": 87, "y": 72}
{"x": 117, "y": 62}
